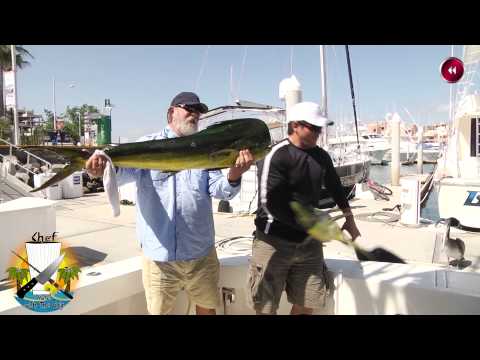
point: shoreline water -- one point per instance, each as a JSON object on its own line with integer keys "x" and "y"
{"x": 382, "y": 175}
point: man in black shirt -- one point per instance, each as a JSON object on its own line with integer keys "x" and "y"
{"x": 282, "y": 257}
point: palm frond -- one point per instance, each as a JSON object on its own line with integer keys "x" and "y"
{"x": 12, "y": 273}
{"x": 24, "y": 273}
{"x": 61, "y": 274}
{"x": 23, "y": 52}
{"x": 6, "y": 57}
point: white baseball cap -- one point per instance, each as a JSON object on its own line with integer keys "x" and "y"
{"x": 309, "y": 112}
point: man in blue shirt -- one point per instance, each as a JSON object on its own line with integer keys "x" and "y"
{"x": 174, "y": 217}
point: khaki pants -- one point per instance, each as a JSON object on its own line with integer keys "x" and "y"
{"x": 163, "y": 280}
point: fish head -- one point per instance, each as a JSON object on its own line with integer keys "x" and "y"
{"x": 317, "y": 224}
{"x": 252, "y": 134}
{"x": 304, "y": 215}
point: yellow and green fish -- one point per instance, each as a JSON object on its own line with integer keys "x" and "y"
{"x": 215, "y": 147}
{"x": 321, "y": 226}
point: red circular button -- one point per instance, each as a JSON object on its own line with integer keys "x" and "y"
{"x": 452, "y": 69}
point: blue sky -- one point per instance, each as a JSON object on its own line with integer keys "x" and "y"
{"x": 141, "y": 80}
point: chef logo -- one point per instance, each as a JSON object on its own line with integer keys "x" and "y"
{"x": 44, "y": 273}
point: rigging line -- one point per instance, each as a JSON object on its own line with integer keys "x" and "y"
{"x": 202, "y": 67}
{"x": 334, "y": 55}
{"x": 232, "y": 97}
{"x": 410, "y": 116}
{"x": 357, "y": 86}
{"x": 242, "y": 70}
{"x": 334, "y": 51}
{"x": 353, "y": 94}
{"x": 291, "y": 60}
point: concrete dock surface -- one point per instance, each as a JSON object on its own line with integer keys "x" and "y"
{"x": 86, "y": 225}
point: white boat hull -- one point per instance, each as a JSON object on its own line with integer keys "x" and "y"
{"x": 460, "y": 198}
{"x": 431, "y": 156}
{"x": 376, "y": 156}
{"x": 405, "y": 157}
{"x": 365, "y": 288}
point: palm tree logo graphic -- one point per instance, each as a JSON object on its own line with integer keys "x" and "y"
{"x": 19, "y": 275}
{"x": 54, "y": 293}
{"x": 67, "y": 274}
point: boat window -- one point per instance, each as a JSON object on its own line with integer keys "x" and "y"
{"x": 478, "y": 137}
{"x": 475, "y": 137}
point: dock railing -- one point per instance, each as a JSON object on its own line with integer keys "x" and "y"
{"x": 29, "y": 156}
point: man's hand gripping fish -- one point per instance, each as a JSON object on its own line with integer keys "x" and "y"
{"x": 322, "y": 227}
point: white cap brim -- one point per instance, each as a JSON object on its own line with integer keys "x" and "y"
{"x": 309, "y": 112}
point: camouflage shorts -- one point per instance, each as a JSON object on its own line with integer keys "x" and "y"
{"x": 277, "y": 265}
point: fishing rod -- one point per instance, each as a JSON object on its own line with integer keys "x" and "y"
{"x": 353, "y": 94}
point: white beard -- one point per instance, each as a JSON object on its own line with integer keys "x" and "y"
{"x": 187, "y": 128}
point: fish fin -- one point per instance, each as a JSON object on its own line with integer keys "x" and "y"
{"x": 223, "y": 152}
{"x": 212, "y": 169}
{"x": 338, "y": 217}
{"x": 217, "y": 124}
{"x": 226, "y": 157}
{"x": 383, "y": 255}
{"x": 74, "y": 153}
{"x": 60, "y": 175}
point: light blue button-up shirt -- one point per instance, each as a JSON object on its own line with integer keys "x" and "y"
{"x": 174, "y": 210}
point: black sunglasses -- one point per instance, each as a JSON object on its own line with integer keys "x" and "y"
{"x": 190, "y": 108}
{"x": 310, "y": 127}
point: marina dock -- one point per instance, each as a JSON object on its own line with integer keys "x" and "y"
{"x": 107, "y": 246}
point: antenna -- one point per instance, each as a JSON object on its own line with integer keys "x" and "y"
{"x": 410, "y": 116}
{"x": 241, "y": 71}
{"x": 202, "y": 67}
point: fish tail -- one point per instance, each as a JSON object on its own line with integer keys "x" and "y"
{"x": 76, "y": 156}
{"x": 60, "y": 175}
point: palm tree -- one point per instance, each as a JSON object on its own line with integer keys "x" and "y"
{"x": 19, "y": 275}
{"x": 5, "y": 129}
{"x": 67, "y": 274}
{"x": 6, "y": 65}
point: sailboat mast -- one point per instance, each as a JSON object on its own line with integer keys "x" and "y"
{"x": 323, "y": 81}
{"x": 232, "y": 100}
{"x": 451, "y": 114}
{"x": 353, "y": 94}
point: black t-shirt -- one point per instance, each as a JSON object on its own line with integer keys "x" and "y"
{"x": 289, "y": 173}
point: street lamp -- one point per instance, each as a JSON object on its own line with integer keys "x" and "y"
{"x": 15, "y": 114}
{"x": 72, "y": 85}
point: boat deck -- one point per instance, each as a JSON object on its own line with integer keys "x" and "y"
{"x": 7, "y": 192}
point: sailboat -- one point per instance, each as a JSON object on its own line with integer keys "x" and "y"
{"x": 458, "y": 169}
{"x": 354, "y": 166}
